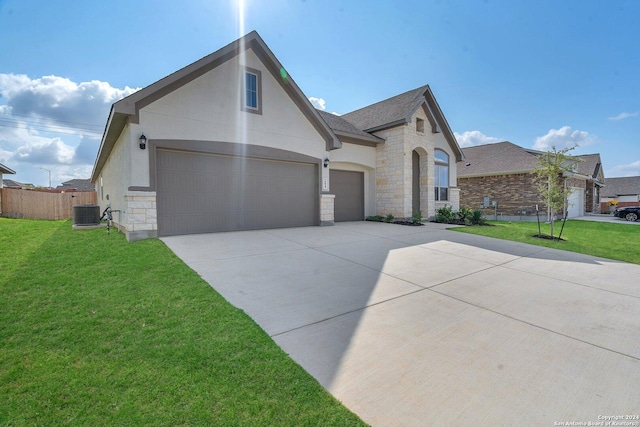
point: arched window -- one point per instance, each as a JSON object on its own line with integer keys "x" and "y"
{"x": 441, "y": 175}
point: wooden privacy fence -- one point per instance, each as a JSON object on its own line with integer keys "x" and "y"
{"x": 34, "y": 204}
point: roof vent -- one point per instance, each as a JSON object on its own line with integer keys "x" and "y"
{"x": 86, "y": 215}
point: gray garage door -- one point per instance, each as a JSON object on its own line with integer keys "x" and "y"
{"x": 202, "y": 193}
{"x": 348, "y": 187}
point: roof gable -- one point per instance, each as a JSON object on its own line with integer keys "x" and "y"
{"x": 389, "y": 112}
{"x": 127, "y": 109}
{"x": 399, "y": 110}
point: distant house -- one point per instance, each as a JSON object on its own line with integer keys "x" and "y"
{"x": 231, "y": 142}
{"x": 4, "y": 170}
{"x": 626, "y": 191}
{"x": 77, "y": 185}
{"x": 504, "y": 173}
{"x": 10, "y": 183}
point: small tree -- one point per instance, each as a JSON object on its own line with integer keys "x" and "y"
{"x": 551, "y": 180}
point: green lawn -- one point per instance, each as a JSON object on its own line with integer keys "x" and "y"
{"x": 607, "y": 240}
{"x": 98, "y": 331}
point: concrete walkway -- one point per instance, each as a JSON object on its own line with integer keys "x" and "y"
{"x": 416, "y": 326}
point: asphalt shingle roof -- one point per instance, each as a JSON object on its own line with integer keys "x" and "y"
{"x": 78, "y": 184}
{"x": 589, "y": 164}
{"x": 385, "y": 112}
{"x": 496, "y": 159}
{"x": 505, "y": 158}
{"x": 339, "y": 124}
{"x": 625, "y": 186}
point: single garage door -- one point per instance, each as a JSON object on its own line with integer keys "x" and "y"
{"x": 203, "y": 193}
{"x": 576, "y": 203}
{"x": 348, "y": 187}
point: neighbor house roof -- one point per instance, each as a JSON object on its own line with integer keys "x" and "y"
{"x": 127, "y": 109}
{"x": 505, "y": 158}
{"x": 77, "y": 184}
{"x": 4, "y": 169}
{"x": 14, "y": 184}
{"x": 502, "y": 158}
{"x": 399, "y": 110}
{"x": 626, "y": 186}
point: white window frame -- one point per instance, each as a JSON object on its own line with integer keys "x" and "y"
{"x": 257, "y": 109}
{"x": 437, "y": 165}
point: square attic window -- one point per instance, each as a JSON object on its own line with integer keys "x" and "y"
{"x": 419, "y": 125}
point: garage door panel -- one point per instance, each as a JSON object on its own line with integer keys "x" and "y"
{"x": 198, "y": 193}
{"x": 348, "y": 187}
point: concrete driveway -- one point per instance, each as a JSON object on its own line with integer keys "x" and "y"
{"x": 415, "y": 326}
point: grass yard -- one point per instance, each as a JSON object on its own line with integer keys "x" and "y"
{"x": 607, "y": 240}
{"x": 98, "y": 331}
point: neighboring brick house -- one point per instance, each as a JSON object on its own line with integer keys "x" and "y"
{"x": 504, "y": 172}
{"x": 230, "y": 143}
{"x": 625, "y": 190}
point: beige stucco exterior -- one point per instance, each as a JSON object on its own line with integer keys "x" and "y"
{"x": 204, "y": 109}
{"x": 199, "y": 108}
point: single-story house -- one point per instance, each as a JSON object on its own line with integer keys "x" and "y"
{"x": 230, "y": 142}
{"x": 10, "y": 183}
{"x": 77, "y": 185}
{"x": 626, "y": 191}
{"x": 504, "y": 172}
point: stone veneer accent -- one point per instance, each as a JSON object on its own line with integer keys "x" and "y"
{"x": 394, "y": 171}
{"x": 141, "y": 215}
{"x": 327, "y": 204}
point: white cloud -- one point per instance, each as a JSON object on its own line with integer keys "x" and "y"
{"x": 630, "y": 169}
{"x": 623, "y": 116}
{"x": 474, "y": 137}
{"x": 53, "y": 122}
{"x": 58, "y": 100}
{"x": 563, "y": 138}
{"x": 46, "y": 151}
{"x": 318, "y": 103}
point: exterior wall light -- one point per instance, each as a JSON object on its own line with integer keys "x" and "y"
{"x": 326, "y": 163}
{"x": 143, "y": 141}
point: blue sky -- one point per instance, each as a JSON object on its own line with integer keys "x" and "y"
{"x": 536, "y": 73}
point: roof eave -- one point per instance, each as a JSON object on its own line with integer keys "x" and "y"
{"x": 4, "y": 169}
{"x": 353, "y": 138}
{"x": 388, "y": 125}
{"x": 498, "y": 173}
{"x": 115, "y": 124}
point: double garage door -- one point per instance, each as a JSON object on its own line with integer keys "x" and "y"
{"x": 204, "y": 193}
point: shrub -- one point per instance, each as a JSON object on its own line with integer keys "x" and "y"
{"x": 477, "y": 217}
{"x": 465, "y": 216}
{"x": 417, "y": 217}
{"x": 444, "y": 215}
{"x": 375, "y": 218}
{"x": 389, "y": 218}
